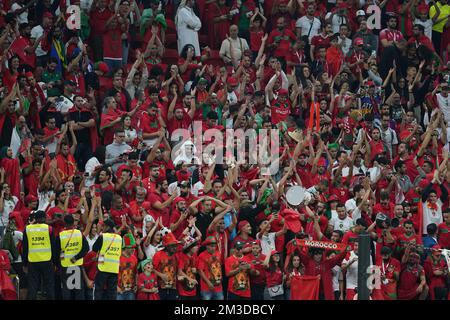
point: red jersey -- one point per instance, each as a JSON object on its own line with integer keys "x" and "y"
{"x": 187, "y": 264}
{"x": 279, "y": 111}
{"x": 167, "y": 265}
{"x": 211, "y": 265}
{"x": 238, "y": 284}
{"x": 443, "y": 235}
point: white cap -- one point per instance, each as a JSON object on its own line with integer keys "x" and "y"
{"x": 360, "y": 13}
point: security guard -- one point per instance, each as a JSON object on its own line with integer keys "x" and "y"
{"x": 109, "y": 248}
{"x": 39, "y": 256}
{"x": 71, "y": 247}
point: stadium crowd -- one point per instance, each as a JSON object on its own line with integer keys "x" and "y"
{"x": 100, "y": 200}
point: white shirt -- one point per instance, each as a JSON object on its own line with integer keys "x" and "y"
{"x": 305, "y": 24}
{"x": 343, "y": 225}
{"x": 268, "y": 243}
{"x": 431, "y": 216}
{"x": 350, "y": 204}
{"x": 239, "y": 45}
{"x": 444, "y": 105}
{"x": 89, "y": 168}
{"x": 197, "y": 189}
{"x": 337, "y": 273}
{"x": 37, "y": 32}
{"x": 351, "y": 277}
{"x": 151, "y": 250}
{"x": 91, "y": 241}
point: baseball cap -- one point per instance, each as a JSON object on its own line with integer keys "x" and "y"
{"x": 360, "y": 13}
{"x": 359, "y": 41}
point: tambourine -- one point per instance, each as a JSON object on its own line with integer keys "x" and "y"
{"x": 295, "y": 195}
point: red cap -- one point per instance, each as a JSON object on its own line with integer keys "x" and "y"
{"x": 29, "y": 74}
{"x": 47, "y": 15}
{"x": 103, "y": 67}
{"x": 183, "y": 176}
{"x": 30, "y": 198}
{"x": 242, "y": 224}
{"x": 359, "y": 41}
{"x": 322, "y": 162}
{"x": 282, "y": 92}
{"x": 370, "y": 84}
{"x": 436, "y": 247}
{"x": 231, "y": 81}
{"x": 333, "y": 197}
{"x": 274, "y": 252}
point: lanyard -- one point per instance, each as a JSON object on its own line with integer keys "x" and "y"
{"x": 112, "y": 241}
{"x": 384, "y": 269}
{"x": 73, "y": 231}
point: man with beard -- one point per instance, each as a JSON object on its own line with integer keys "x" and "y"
{"x": 165, "y": 266}
{"x": 218, "y": 230}
{"x": 280, "y": 40}
{"x": 132, "y": 164}
{"x": 139, "y": 207}
{"x": 65, "y": 156}
{"x": 408, "y": 239}
{"x": 151, "y": 123}
{"x": 412, "y": 282}
{"x": 24, "y": 47}
{"x": 161, "y": 202}
{"x": 177, "y": 116}
{"x": 178, "y": 217}
{"x": 390, "y": 273}
{"x": 419, "y": 37}
{"x": 160, "y": 155}
{"x": 210, "y": 271}
{"x": 206, "y": 212}
{"x": 149, "y": 183}
{"x": 370, "y": 41}
{"x": 83, "y": 123}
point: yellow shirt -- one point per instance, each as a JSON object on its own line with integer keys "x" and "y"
{"x": 445, "y": 12}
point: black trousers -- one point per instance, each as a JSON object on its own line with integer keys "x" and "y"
{"x": 105, "y": 286}
{"x": 72, "y": 284}
{"x": 37, "y": 272}
{"x": 257, "y": 291}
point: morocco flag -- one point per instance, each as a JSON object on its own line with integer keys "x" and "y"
{"x": 305, "y": 287}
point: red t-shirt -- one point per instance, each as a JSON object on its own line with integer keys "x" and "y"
{"x": 444, "y": 235}
{"x": 59, "y": 225}
{"x": 211, "y": 265}
{"x": 186, "y": 264}
{"x": 165, "y": 214}
{"x": 238, "y": 284}
{"x": 285, "y": 38}
{"x": 279, "y": 111}
{"x": 167, "y": 265}
{"x": 257, "y": 264}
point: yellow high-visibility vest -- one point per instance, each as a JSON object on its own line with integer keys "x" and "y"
{"x": 71, "y": 245}
{"x": 39, "y": 246}
{"x": 109, "y": 257}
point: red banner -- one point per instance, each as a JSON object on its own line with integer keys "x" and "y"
{"x": 305, "y": 287}
{"x": 326, "y": 245}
